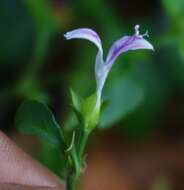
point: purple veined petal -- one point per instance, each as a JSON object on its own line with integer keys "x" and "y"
{"x": 127, "y": 43}
{"x": 87, "y": 34}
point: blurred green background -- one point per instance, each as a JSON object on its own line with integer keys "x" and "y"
{"x": 145, "y": 89}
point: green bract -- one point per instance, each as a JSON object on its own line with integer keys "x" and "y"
{"x": 86, "y": 111}
{"x": 90, "y": 112}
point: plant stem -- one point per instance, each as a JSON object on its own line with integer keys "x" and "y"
{"x": 72, "y": 182}
{"x": 76, "y": 168}
{"x": 83, "y": 142}
{"x": 74, "y": 172}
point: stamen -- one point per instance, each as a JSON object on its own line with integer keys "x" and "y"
{"x": 137, "y": 30}
{"x": 146, "y": 34}
{"x": 137, "y": 33}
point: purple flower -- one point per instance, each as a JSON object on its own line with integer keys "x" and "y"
{"x": 120, "y": 46}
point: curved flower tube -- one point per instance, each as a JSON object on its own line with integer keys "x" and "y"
{"x": 124, "y": 44}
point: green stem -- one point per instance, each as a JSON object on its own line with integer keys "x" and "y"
{"x": 76, "y": 161}
{"x": 76, "y": 168}
{"x": 82, "y": 143}
{"x": 72, "y": 182}
{"x": 74, "y": 172}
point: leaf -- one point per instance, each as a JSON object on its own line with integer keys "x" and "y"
{"x": 124, "y": 96}
{"x": 36, "y": 118}
{"x": 52, "y": 159}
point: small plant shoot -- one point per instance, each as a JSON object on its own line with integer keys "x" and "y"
{"x": 36, "y": 118}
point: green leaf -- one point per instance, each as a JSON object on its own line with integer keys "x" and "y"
{"x": 51, "y": 158}
{"x": 124, "y": 97}
{"x": 36, "y": 118}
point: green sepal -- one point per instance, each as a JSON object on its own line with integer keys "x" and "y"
{"x": 77, "y": 102}
{"x": 90, "y": 112}
{"x": 86, "y": 111}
